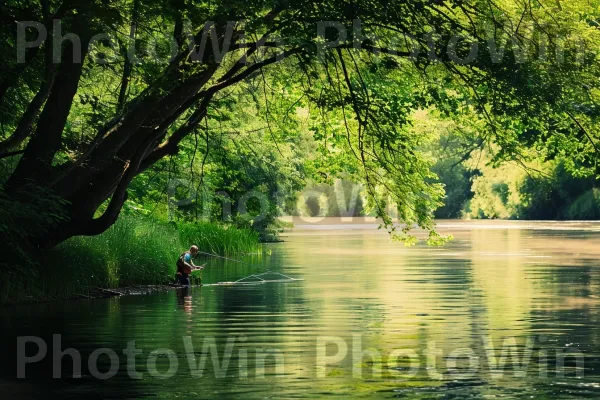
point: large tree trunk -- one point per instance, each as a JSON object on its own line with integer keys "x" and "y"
{"x": 36, "y": 164}
{"x": 112, "y": 184}
{"x": 126, "y": 146}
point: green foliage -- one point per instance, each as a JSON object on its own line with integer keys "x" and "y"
{"x": 557, "y": 194}
{"x": 17, "y": 222}
{"x": 343, "y": 198}
{"x": 457, "y": 185}
{"x": 533, "y": 192}
{"x": 322, "y": 115}
{"x": 241, "y": 167}
{"x": 586, "y": 207}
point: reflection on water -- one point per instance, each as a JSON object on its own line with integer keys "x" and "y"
{"x": 504, "y": 311}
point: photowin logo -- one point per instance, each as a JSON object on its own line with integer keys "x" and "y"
{"x": 213, "y": 42}
{"x": 219, "y": 358}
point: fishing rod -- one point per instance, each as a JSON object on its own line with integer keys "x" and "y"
{"x": 229, "y": 259}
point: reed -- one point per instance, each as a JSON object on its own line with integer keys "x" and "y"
{"x": 132, "y": 252}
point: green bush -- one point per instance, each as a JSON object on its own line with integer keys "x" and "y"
{"x": 457, "y": 185}
{"x": 557, "y": 195}
{"x": 586, "y": 207}
{"x": 18, "y": 222}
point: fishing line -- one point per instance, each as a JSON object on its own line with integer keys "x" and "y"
{"x": 230, "y": 259}
{"x": 259, "y": 279}
{"x": 252, "y": 279}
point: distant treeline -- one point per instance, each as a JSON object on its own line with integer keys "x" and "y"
{"x": 517, "y": 192}
{"x": 537, "y": 191}
{"x": 343, "y": 198}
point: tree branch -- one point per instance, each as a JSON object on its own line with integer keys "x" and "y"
{"x": 102, "y": 223}
{"x": 11, "y": 154}
{"x": 583, "y": 130}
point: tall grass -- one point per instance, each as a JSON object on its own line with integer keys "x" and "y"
{"x": 219, "y": 239}
{"x": 132, "y": 252}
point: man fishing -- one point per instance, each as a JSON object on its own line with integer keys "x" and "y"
{"x": 185, "y": 266}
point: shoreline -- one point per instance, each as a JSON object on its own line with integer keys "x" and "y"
{"x": 365, "y": 223}
{"x": 135, "y": 290}
{"x": 460, "y": 229}
{"x": 101, "y": 293}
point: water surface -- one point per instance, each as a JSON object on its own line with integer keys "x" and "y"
{"x": 507, "y": 310}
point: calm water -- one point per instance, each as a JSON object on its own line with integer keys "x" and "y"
{"x": 507, "y": 310}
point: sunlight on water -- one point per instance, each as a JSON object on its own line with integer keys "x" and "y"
{"x": 504, "y": 311}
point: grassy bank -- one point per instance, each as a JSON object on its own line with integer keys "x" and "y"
{"x": 132, "y": 252}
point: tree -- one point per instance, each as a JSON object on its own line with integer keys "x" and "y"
{"x": 422, "y": 58}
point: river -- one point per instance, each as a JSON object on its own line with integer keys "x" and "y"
{"x": 506, "y": 310}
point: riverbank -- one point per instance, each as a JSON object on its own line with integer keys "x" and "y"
{"x": 133, "y": 253}
{"x": 99, "y": 293}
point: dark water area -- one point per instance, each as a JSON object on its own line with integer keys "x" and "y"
{"x": 507, "y": 310}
